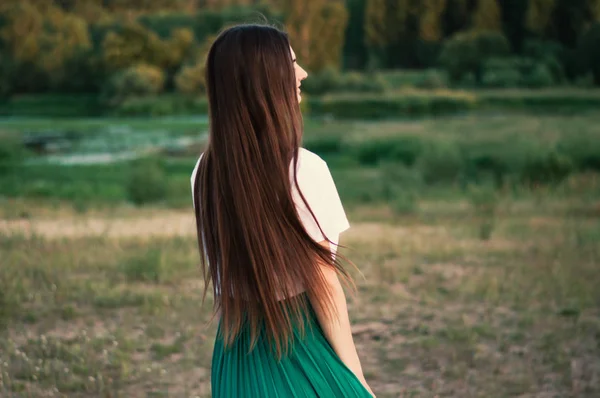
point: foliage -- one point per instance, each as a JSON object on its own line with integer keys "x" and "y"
{"x": 401, "y": 187}
{"x": 330, "y": 81}
{"x": 589, "y": 53}
{"x": 441, "y": 162}
{"x": 468, "y": 52}
{"x": 147, "y": 182}
{"x": 136, "y": 81}
{"x": 12, "y": 152}
{"x": 517, "y": 72}
{"x": 484, "y": 201}
{"x": 546, "y": 167}
{"x": 403, "y": 150}
{"x": 191, "y": 78}
{"x": 316, "y": 29}
{"x": 400, "y": 104}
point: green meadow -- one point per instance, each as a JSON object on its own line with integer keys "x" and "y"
{"x": 475, "y": 238}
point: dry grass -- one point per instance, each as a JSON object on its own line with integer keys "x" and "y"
{"x": 95, "y": 311}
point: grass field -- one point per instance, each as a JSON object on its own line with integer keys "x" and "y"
{"x": 461, "y": 294}
{"x": 105, "y": 305}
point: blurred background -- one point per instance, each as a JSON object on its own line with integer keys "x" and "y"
{"x": 464, "y": 139}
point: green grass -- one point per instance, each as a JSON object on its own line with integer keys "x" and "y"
{"x": 438, "y": 312}
{"x": 175, "y": 125}
{"x": 358, "y": 154}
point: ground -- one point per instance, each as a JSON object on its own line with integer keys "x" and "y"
{"x": 110, "y": 303}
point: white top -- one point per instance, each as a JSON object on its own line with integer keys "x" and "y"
{"x": 319, "y": 190}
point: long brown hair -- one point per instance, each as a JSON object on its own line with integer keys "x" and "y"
{"x": 253, "y": 246}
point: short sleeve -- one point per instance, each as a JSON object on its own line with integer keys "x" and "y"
{"x": 317, "y": 186}
{"x": 193, "y": 178}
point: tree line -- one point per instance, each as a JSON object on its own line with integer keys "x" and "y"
{"x": 114, "y": 46}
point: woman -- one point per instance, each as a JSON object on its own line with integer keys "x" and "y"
{"x": 268, "y": 218}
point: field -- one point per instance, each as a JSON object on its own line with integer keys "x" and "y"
{"x": 462, "y": 292}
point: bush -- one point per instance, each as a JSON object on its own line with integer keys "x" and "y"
{"x": 331, "y": 81}
{"x": 324, "y": 145}
{"x": 484, "y": 201}
{"x": 12, "y": 152}
{"x": 466, "y": 52}
{"x": 583, "y": 151}
{"x": 540, "y": 77}
{"x": 136, "y": 81}
{"x": 191, "y": 79}
{"x": 147, "y": 182}
{"x": 516, "y": 72}
{"x": 395, "y": 105}
{"x": 502, "y": 78}
{"x": 401, "y": 187}
{"x": 546, "y": 168}
{"x": 433, "y": 79}
{"x": 402, "y": 149}
{"x": 326, "y": 81}
{"x": 547, "y": 53}
{"x": 441, "y": 162}
{"x": 495, "y": 160}
{"x": 161, "y": 106}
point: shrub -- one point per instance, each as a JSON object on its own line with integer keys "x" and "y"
{"x": 466, "y": 52}
{"x": 331, "y": 81}
{"x": 391, "y": 105}
{"x": 484, "y": 201}
{"x": 493, "y": 159}
{"x": 403, "y": 150}
{"x": 326, "y": 81}
{"x": 401, "y": 187}
{"x": 540, "y": 77}
{"x": 191, "y": 79}
{"x": 12, "y": 152}
{"x": 548, "y": 53}
{"x": 433, "y": 79}
{"x": 324, "y": 145}
{"x": 584, "y": 151}
{"x": 502, "y": 78}
{"x": 148, "y": 267}
{"x": 136, "y": 81}
{"x": 147, "y": 182}
{"x": 441, "y": 162}
{"x": 161, "y": 106}
{"x": 546, "y": 168}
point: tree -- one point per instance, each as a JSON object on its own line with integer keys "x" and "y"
{"x": 487, "y": 16}
{"x": 567, "y": 19}
{"x": 467, "y": 52}
{"x": 539, "y": 15}
{"x": 431, "y": 21}
{"x": 588, "y": 51}
{"x": 316, "y": 29}
{"x": 457, "y": 16}
{"x": 40, "y": 41}
{"x": 514, "y": 21}
{"x": 355, "y": 49}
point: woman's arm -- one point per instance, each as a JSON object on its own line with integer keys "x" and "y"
{"x": 337, "y": 330}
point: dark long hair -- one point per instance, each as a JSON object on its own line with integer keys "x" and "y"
{"x": 253, "y": 246}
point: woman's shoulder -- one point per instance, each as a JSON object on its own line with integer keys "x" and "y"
{"x": 309, "y": 161}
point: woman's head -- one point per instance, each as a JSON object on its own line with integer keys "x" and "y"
{"x": 251, "y": 70}
{"x": 248, "y": 226}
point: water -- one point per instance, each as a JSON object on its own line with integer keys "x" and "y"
{"x": 94, "y": 141}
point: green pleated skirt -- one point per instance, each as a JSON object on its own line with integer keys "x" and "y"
{"x": 310, "y": 369}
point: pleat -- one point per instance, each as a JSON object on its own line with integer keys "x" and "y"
{"x": 311, "y": 369}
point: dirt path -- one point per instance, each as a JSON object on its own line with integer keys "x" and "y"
{"x": 160, "y": 224}
{"x": 166, "y": 224}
